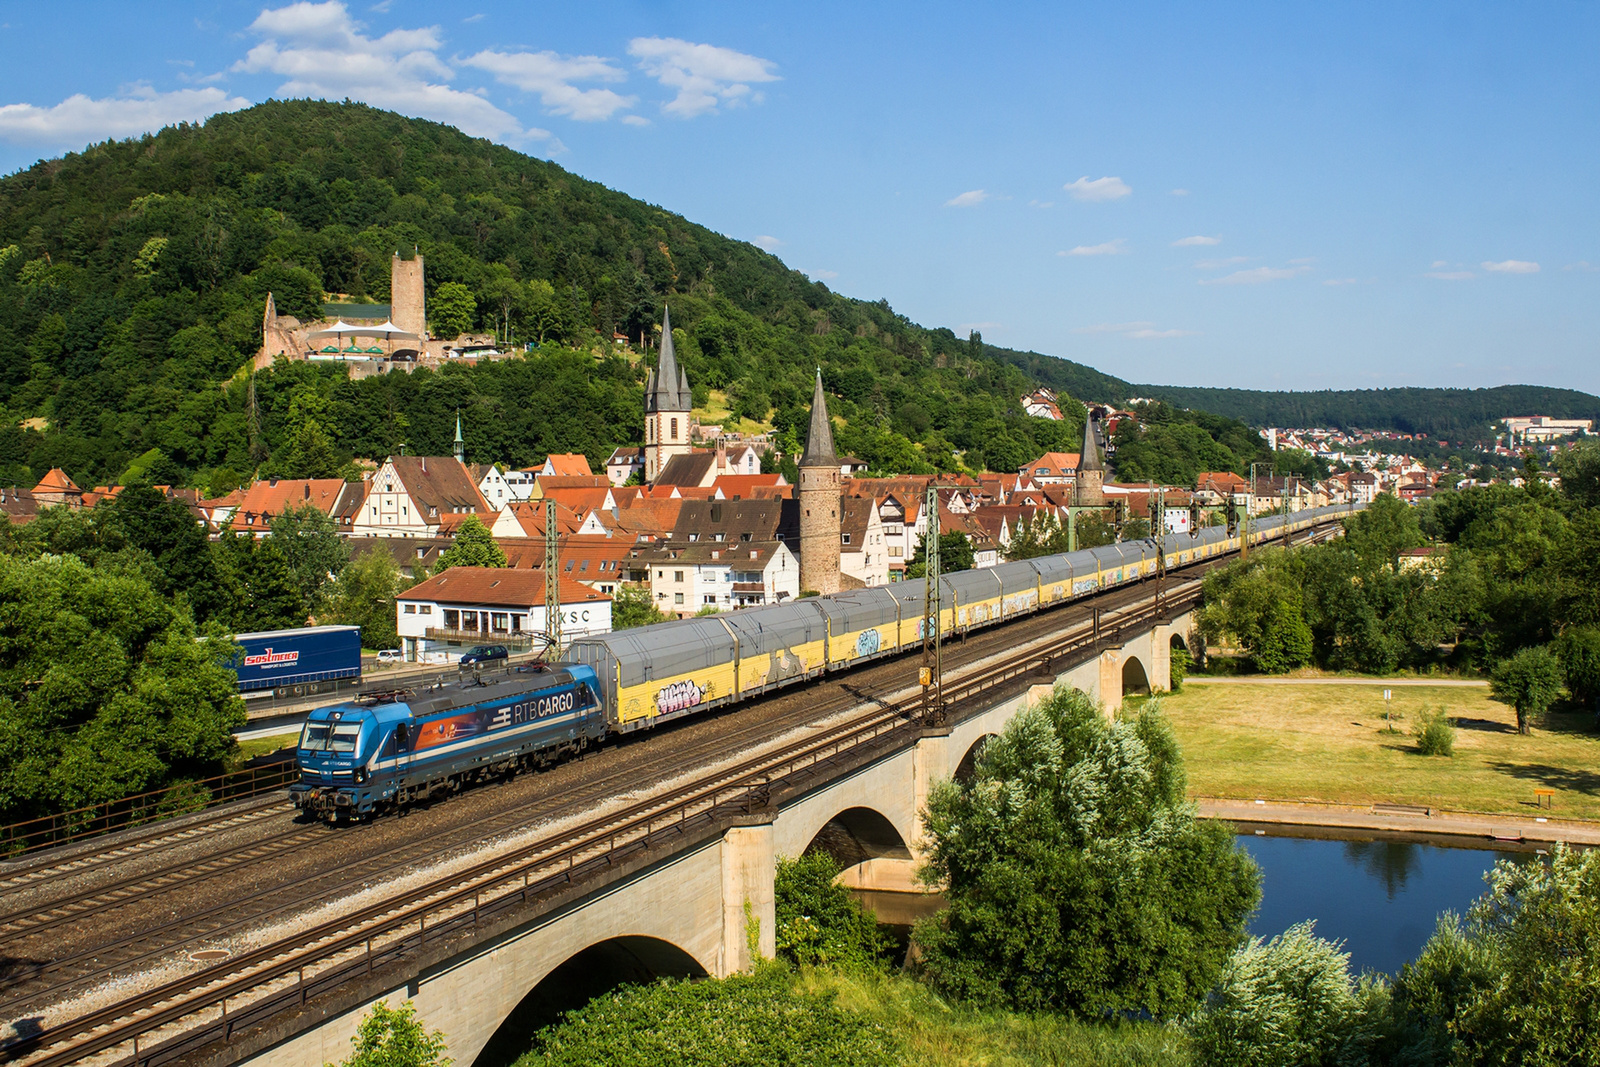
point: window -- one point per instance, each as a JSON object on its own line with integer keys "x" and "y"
{"x": 745, "y": 536}
{"x": 677, "y": 576}
{"x": 452, "y": 619}
{"x": 410, "y": 609}
{"x": 845, "y": 538}
{"x": 661, "y": 574}
{"x": 721, "y": 536}
{"x": 894, "y": 552}
{"x": 677, "y": 598}
{"x": 711, "y": 600}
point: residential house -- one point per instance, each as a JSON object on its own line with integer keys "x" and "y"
{"x": 688, "y": 577}
{"x": 1053, "y": 468}
{"x": 863, "y": 555}
{"x": 466, "y": 606}
{"x": 566, "y": 465}
{"x": 409, "y": 496}
{"x": 493, "y": 485}
{"x": 267, "y": 499}
{"x": 624, "y": 464}
{"x": 55, "y": 489}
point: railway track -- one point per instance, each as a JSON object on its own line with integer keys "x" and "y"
{"x": 246, "y": 987}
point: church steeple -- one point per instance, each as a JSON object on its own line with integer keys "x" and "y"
{"x": 1089, "y": 458}
{"x": 460, "y": 447}
{"x": 819, "y": 441}
{"x": 668, "y": 386}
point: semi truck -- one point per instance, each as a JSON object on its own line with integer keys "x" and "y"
{"x": 273, "y": 661}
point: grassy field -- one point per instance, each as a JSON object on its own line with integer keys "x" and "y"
{"x": 261, "y": 746}
{"x": 937, "y": 1034}
{"x": 1256, "y": 740}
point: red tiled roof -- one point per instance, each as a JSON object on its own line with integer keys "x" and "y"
{"x": 497, "y": 586}
{"x": 569, "y": 465}
{"x": 266, "y": 500}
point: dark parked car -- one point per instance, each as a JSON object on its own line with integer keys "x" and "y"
{"x": 485, "y": 654}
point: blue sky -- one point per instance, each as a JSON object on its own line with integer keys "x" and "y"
{"x": 1273, "y": 195}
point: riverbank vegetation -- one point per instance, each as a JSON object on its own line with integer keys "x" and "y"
{"x": 1331, "y": 743}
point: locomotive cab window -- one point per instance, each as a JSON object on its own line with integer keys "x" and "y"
{"x": 314, "y": 736}
{"x": 344, "y": 737}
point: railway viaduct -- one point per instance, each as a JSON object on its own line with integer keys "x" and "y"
{"x": 699, "y": 909}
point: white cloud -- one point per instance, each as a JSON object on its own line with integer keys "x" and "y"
{"x": 766, "y": 241}
{"x": 704, "y": 75}
{"x": 1583, "y": 265}
{"x": 80, "y": 120}
{"x": 551, "y": 76}
{"x": 1256, "y": 276}
{"x": 970, "y": 198}
{"x": 1098, "y": 190}
{"x": 1109, "y": 248}
{"x": 1303, "y": 261}
{"x": 1451, "y": 275}
{"x": 821, "y": 275}
{"x": 474, "y": 18}
{"x": 1179, "y": 192}
{"x": 1138, "y": 331}
{"x": 1158, "y": 335}
{"x": 1196, "y": 241}
{"x": 1439, "y": 264}
{"x": 1342, "y": 281}
{"x": 323, "y": 53}
{"x": 1041, "y": 203}
{"x": 1218, "y": 264}
{"x": 1511, "y": 266}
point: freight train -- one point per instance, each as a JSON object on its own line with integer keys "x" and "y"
{"x": 363, "y": 756}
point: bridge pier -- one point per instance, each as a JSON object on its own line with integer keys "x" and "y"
{"x": 749, "y": 861}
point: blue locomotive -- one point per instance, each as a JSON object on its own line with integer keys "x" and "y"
{"x": 357, "y": 758}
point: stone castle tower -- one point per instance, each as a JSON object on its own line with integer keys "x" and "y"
{"x": 407, "y": 307}
{"x": 1088, "y": 491}
{"x": 667, "y": 403}
{"x": 819, "y": 502}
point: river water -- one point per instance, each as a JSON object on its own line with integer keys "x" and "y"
{"x": 1379, "y": 894}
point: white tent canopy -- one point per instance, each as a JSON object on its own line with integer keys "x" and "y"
{"x": 342, "y": 329}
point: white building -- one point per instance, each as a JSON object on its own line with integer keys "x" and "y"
{"x": 409, "y": 496}
{"x": 725, "y": 575}
{"x": 467, "y": 606}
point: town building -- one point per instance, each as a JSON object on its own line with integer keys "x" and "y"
{"x": 820, "y": 479}
{"x": 466, "y": 606}
{"x": 55, "y": 489}
{"x": 413, "y": 496}
{"x": 624, "y": 463}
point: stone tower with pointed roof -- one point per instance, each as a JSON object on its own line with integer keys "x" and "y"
{"x": 667, "y": 403}
{"x": 1088, "y": 490}
{"x": 819, "y": 502}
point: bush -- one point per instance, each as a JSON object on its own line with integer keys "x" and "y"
{"x": 817, "y": 921}
{"x": 1078, "y": 877}
{"x": 396, "y": 1038}
{"x": 1181, "y": 662}
{"x": 1287, "y": 1002}
{"x": 1435, "y": 736}
{"x": 1578, "y": 651}
{"x": 745, "y": 1019}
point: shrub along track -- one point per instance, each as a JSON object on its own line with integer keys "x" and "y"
{"x": 368, "y": 855}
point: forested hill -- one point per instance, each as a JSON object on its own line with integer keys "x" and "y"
{"x": 132, "y": 278}
{"x": 1464, "y": 415}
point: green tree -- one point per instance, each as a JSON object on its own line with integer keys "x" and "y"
{"x": 274, "y": 597}
{"x": 817, "y": 921}
{"x": 395, "y": 1037}
{"x": 1529, "y": 681}
{"x": 631, "y": 605}
{"x": 104, "y": 689}
{"x": 363, "y": 595}
{"x": 1288, "y": 1002}
{"x": 1041, "y": 535}
{"x": 1381, "y": 531}
{"x": 473, "y": 546}
{"x": 1283, "y": 641}
{"x": 1578, "y": 651}
{"x": 955, "y": 554}
{"x": 1078, "y": 878}
{"x": 316, "y": 553}
{"x": 1513, "y": 983}
{"x": 452, "y": 311}
{"x": 143, "y": 518}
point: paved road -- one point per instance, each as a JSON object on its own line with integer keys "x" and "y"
{"x": 1393, "y": 682}
{"x": 1545, "y": 829}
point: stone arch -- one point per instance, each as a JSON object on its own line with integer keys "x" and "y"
{"x": 856, "y": 835}
{"x": 1176, "y": 642}
{"x": 1134, "y": 678}
{"x": 590, "y": 973}
{"x": 969, "y": 763}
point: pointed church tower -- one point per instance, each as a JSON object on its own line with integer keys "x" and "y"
{"x": 667, "y": 402}
{"x": 460, "y": 447}
{"x": 1088, "y": 491}
{"x": 819, "y": 502}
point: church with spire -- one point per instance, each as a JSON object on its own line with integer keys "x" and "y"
{"x": 667, "y": 407}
